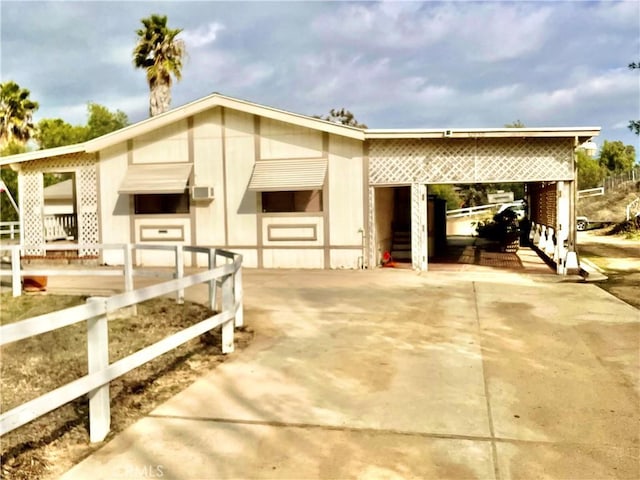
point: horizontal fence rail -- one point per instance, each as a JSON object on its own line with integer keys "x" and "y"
{"x": 224, "y": 272}
{"x": 463, "y": 212}
{"x": 591, "y": 192}
{"x": 12, "y": 229}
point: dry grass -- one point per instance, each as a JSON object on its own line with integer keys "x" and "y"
{"x": 50, "y": 445}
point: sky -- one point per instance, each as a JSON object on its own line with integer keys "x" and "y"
{"x": 394, "y": 64}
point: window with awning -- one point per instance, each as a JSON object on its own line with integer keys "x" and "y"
{"x": 288, "y": 175}
{"x": 167, "y": 178}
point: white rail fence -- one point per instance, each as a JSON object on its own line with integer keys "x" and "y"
{"x": 591, "y": 192}
{"x": 227, "y": 276}
{"x": 463, "y": 212}
{"x": 10, "y": 228}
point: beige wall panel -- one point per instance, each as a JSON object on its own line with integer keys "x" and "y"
{"x": 208, "y": 171}
{"x": 114, "y": 208}
{"x": 297, "y": 258}
{"x": 346, "y": 210}
{"x": 283, "y": 140}
{"x": 151, "y": 230}
{"x": 383, "y": 220}
{"x": 346, "y": 258}
{"x": 208, "y": 124}
{"x": 298, "y": 231}
{"x": 167, "y": 144}
{"x": 240, "y": 156}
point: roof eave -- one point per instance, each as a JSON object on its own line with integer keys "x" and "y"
{"x": 46, "y": 153}
{"x": 551, "y": 132}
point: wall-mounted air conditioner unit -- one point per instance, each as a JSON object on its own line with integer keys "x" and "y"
{"x": 202, "y": 193}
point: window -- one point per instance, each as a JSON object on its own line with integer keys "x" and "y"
{"x": 292, "y": 201}
{"x": 161, "y": 203}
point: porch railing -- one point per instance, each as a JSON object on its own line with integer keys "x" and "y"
{"x": 12, "y": 229}
{"x": 60, "y": 226}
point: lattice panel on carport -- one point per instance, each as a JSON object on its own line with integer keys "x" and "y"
{"x": 453, "y": 160}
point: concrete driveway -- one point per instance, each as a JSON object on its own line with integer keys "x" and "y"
{"x": 390, "y": 374}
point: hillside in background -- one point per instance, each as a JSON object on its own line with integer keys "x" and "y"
{"x": 611, "y": 206}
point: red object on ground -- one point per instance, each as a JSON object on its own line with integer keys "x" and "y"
{"x": 34, "y": 284}
{"x": 387, "y": 260}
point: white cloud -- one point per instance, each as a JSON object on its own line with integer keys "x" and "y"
{"x": 203, "y": 35}
{"x": 504, "y": 32}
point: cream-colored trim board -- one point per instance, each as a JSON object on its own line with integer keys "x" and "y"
{"x": 326, "y": 203}
{"x": 191, "y": 182}
{"x": 366, "y": 205}
{"x": 224, "y": 175}
{"x": 257, "y": 155}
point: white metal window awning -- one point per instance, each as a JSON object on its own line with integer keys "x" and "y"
{"x": 156, "y": 178}
{"x": 288, "y": 175}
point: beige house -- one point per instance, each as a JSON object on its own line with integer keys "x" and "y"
{"x": 288, "y": 190}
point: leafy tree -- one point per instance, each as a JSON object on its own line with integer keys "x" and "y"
{"x": 343, "y": 117}
{"x": 448, "y": 193}
{"x": 102, "y": 121}
{"x": 590, "y": 172}
{"x": 16, "y": 114}
{"x": 634, "y": 125}
{"x": 56, "y": 132}
{"x": 10, "y": 179}
{"x": 617, "y": 157}
{"x": 160, "y": 53}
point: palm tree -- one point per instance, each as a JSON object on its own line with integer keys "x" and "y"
{"x": 160, "y": 53}
{"x": 16, "y": 114}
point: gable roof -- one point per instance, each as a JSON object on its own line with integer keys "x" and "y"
{"x": 582, "y": 134}
{"x": 180, "y": 113}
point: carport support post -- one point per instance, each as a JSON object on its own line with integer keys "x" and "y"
{"x": 98, "y": 360}
{"x": 563, "y": 224}
{"x": 571, "y": 264}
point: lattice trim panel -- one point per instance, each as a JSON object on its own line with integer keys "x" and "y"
{"x": 405, "y": 161}
{"x": 31, "y": 208}
{"x": 85, "y": 168}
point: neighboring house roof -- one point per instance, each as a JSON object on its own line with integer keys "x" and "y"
{"x": 217, "y": 100}
{"x": 59, "y": 191}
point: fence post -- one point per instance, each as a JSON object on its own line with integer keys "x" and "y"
{"x": 214, "y": 281}
{"x": 180, "y": 272}
{"x": 228, "y": 304}
{"x": 16, "y": 284}
{"x": 128, "y": 273}
{"x": 98, "y": 359}
{"x": 237, "y": 293}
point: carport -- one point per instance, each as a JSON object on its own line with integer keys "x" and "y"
{"x": 543, "y": 159}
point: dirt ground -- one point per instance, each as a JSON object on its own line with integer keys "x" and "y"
{"x": 53, "y": 443}
{"x": 617, "y": 258}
